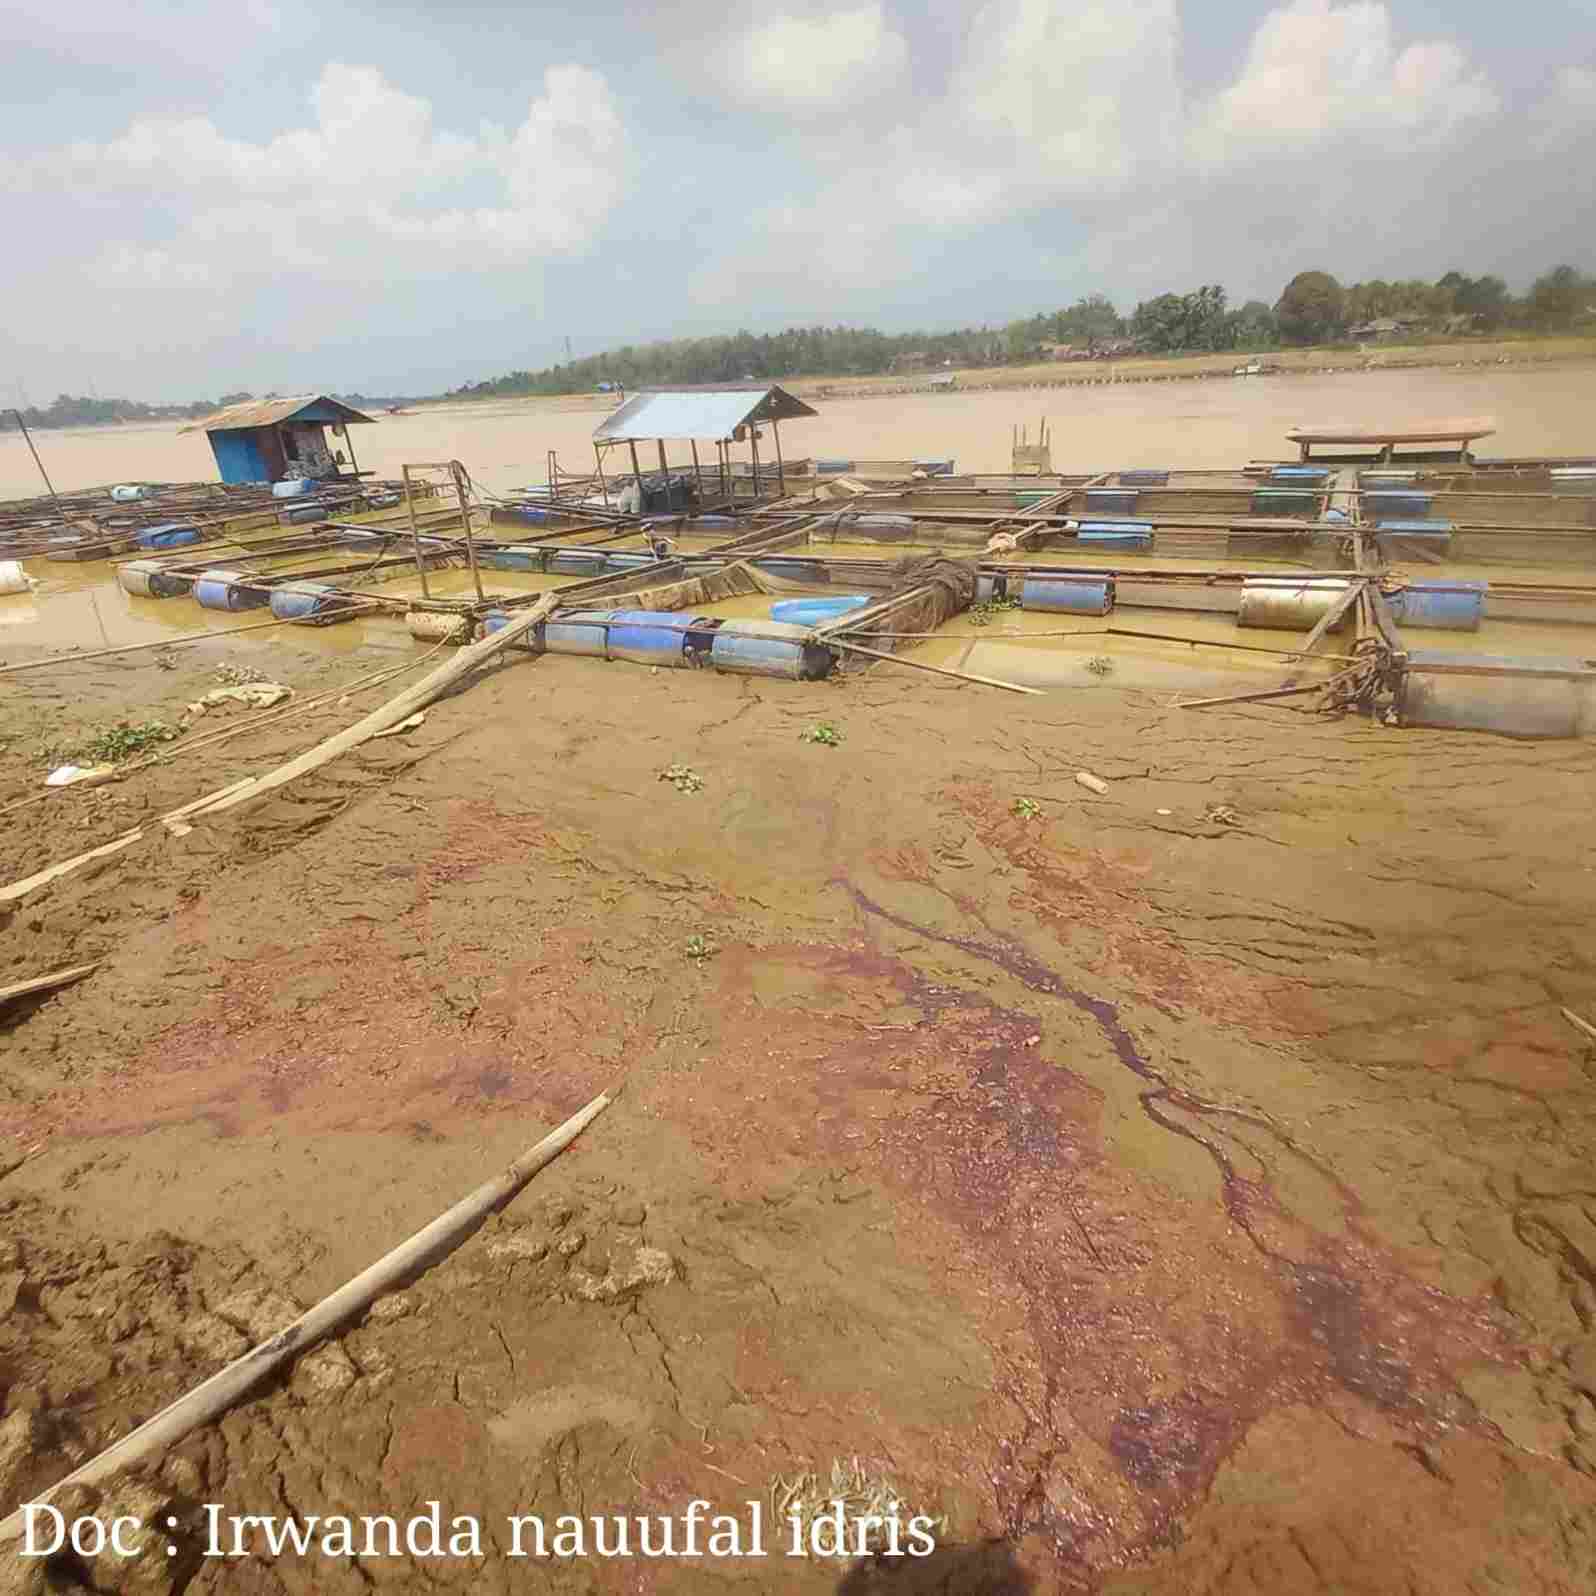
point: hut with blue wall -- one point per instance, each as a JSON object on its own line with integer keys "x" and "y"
{"x": 273, "y": 440}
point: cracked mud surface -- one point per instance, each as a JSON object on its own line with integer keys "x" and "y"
{"x": 1176, "y": 1206}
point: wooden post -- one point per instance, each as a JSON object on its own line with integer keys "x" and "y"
{"x": 698, "y": 470}
{"x": 598, "y": 460}
{"x": 458, "y": 472}
{"x": 753, "y": 446}
{"x": 637, "y": 474}
{"x": 781, "y": 470}
{"x": 415, "y": 533}
{"x": 664, "y": 470}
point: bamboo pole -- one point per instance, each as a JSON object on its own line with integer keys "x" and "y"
{"x": 938, "y": 670}
{"x": 1579, "y": 1024}
{"x": 1252, "y": 698}
{"x": 428, "y": 1246}
{"x": 415, "y": 533}
{"x": 47, "y": 983}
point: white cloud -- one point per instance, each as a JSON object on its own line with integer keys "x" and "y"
{"x": 1568, "y": 112}
{"x": 371, "y": 168}
{"x": 1317, "y": 73}
{"x": 810, "y": 65}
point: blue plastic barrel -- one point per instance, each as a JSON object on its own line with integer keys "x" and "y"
{"x": 1298, "y": 473}
{"x": 531, "y": 514}
{"x": 1284, "y": 501}
{"x": 1445, "y": 606}
{"x": 648, "y": 637}
{"x": 714, "y": 520}
{"x": 832, "y": 468}
{"x": 1139, "y": 541}
{"x": 1068, "y": 595}
{"x": 299, "y": 601}
{"x": 812, "y": 611}
{"x": 577, "y": 562}
{"x": 1396, "y": 502}
{"x": 513, "y": 557}
{"x": 169, "y": 535}
{"x": 221, "y": 590}
{"x": 142, "y": 578}
{"x": 1144, "y": 477}
{"x": 569, "y": 636}
{"x": 782, "y": 649}
{"x": 1435, "y": 536}
{"x": 1110, "y": 500}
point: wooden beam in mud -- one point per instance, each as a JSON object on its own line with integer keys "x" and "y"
{"x": 47, "y": 983}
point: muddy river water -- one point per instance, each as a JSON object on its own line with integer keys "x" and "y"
{"x": 1225, "y": 421}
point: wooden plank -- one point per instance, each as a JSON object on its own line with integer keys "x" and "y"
{"x": 45, "y": 983}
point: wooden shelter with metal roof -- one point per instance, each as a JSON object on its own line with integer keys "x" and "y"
{"x": 268, "y": 440}
{"x": 722, "y": 416}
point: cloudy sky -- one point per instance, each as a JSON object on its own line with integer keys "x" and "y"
{"x": 404, "y": 196}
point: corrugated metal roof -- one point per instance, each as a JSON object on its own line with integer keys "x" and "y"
{"x": 697, "y": 413}
{"x": 264, "y": 412}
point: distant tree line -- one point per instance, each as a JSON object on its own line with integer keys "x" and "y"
{"x": 69, "y": 410}
{"x": 1312, "y": 309}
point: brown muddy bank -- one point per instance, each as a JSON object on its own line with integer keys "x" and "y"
{"x": 1185, "y": 1191}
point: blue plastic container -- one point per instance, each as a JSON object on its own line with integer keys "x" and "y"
{"x": 790, "y": 656}
{"x": 1116, "y": 538}
{"x": 833, "y": 468}
{"x": 1068, "y": 595}
{"x": 648, "y": 637}
{"x": 1298, "y": 473}
{"x": 170, "y": 535}
{"x": 814, "y": 611}
{"x": 1108, "y": 501}
{"x": 714, "y": 520}
{"x": 1435, "y": 536}
{"x": 577, "y": 562}
{"x": 510, "y": 559}
{"x": 628, "y": 562}
{"x": 1284, "y": 501}
{"x": 127, "y": 492}
{"x": 1395, "y": 502}
{"x": 1144, "y": 477}
{"x": 531, "y": 514}
{"x": 300, "y": 601}
{"x": 293, "y": 488}
{"x": 568, "y": 636}
{"x": 221, "y": 590}
{"x": 1445, "y": 606}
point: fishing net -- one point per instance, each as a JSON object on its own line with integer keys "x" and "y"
{"x": 924, "y": 591}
